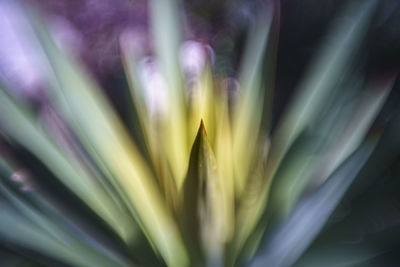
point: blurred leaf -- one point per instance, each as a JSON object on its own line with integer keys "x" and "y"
{"x": 20, "y": 125}
{"x": 247, "y": 114}
{"x": 330, "y": 63}
{"x": 104, "y": 136}
{"x": 150, "y": 125}
{"x": 9, "y": 257}
{"x": 224, "y": 158}
{"x": 16, "y": 228}
{"x": 202, "y": 203}
{"x": 296, "y": 233}
{"x": 165, "y": 26}
{"x": 54, "y": 226}
{"x": 364, "y": 230}
{"x": 312, "y": 159}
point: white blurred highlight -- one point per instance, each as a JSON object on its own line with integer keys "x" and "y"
{"x": 193, "y": 58}
{"x": 21, "y": 63}
{"x": 155, "y": 87}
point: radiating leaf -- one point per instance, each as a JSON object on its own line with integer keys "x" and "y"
{"x": 297, "y": 232}
{"x": 18, "y": 229}
{"x": 314, "y": 90}
{"x": 20, "y": 125}
{"x": 248, "y": 109}
{"x": 202, "y": 204}
{"x": 106, "y": 139}
{"x": 165, "y": 27}
{"x": 316, "y": 158}
{"x": 43, "y": 214}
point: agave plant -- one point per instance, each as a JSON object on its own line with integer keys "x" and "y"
{"x": 203, "y": 180}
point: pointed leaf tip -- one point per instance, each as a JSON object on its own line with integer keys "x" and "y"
{"x": 202, "y": 202}
{"x": 202, "y": 128}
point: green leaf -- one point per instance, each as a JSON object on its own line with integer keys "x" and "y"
{"x": 165, "y": 27}
{"x": 20, "y": 230}
{"x": 319, "y": 84}
{"x": 40, "y": 214}
{"x": 104, "y": 136}
{"x": 247, "y": 116}
{"x": 296, "y": 233}
{"x": 315, "y": 90}
{"x": 20, "y": 125}
{"x": 351, "y": 239}
{"x": 312, "y": 159}
{"x": 202, "y": 203}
